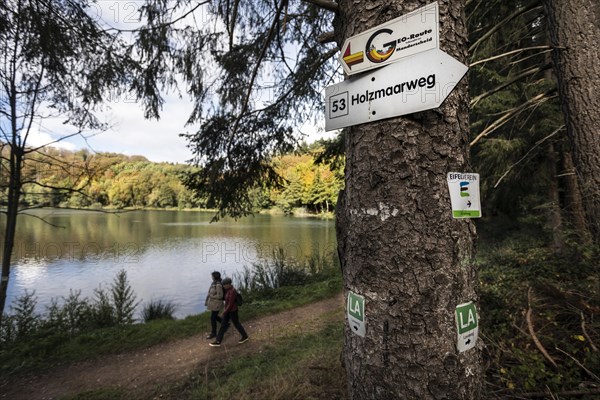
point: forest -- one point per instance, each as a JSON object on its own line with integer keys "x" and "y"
{"x": 55, "y": 177}
{"x": 526, "y": 119}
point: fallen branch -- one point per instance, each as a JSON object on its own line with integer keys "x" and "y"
{"x": 590, "y": 373}
{"x": 568, "y": 393}
{"x": 537, "y": 342}
{"x": 585, "y": 334}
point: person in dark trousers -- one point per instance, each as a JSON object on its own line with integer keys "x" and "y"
{"x": 214, "y": 302}
{"x": 230, "y": 314}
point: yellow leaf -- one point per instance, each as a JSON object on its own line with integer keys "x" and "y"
{"x": 579, "y": 337}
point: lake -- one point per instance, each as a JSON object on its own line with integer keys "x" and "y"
{"x": 167, "y": 254}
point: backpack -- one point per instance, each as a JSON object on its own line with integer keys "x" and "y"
{"x": 239, "y": 300}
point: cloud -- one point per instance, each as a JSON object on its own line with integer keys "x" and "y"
{"x": 130, "y": 133}
{"x": 48, "y": 135}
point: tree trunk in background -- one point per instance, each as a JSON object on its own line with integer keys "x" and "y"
{"x": 399, "y": 245}
{"x": 12, "y": 211}
{"x": 573, "y": 202}
{"x": 554, "y": 214}
{"x": 574, "y": 31}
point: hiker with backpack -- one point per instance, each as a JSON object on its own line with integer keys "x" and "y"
{"x": 230, "y": 313}
{"x": 214, "y": 302}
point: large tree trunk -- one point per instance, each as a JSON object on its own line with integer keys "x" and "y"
{"x": 574, "y": 32}
{"x": 399, "y": 245}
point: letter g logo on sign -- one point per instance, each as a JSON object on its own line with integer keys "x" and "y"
{"x": 376, "y": 55}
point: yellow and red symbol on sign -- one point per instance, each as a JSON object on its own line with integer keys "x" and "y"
{"x": 353, "y": 59}
{"x": 376, "y": 55}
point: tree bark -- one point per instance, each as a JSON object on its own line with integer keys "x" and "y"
{"x": 574, "y": 31}
{"x": 399, "y": 246}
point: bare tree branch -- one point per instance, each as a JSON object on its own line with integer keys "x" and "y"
{"x": 534, "y": 6}
{"x": 232, "y": 22}
{"x": 539, "y": 142}
{"x": 327, "y": 37}
{"x": 325, "y": 4}
{"x": 510, "y": 53}
{"x": 35, "y": 149}
{"x": 508, "y": 115}
{"x": 257, "y": 67}
{"x": 522, "y": 75}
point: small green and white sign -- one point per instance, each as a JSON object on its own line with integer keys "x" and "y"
{"x": 356, "y": 314}
{"x": 464, "y": 194}
{"x": 467, "y": 326}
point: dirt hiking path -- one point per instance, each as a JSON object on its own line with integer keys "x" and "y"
{"x": 143, "y": 370}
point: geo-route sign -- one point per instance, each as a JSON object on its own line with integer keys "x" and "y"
{"x": 410, "y": 85}
{"x": 404, "y": 36}
{"x": 467, "y": 326}
{"x": 356, "y": 314}
{"x": 464, "y": 195}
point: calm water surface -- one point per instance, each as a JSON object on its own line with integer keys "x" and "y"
{"x": 167, "y": 254}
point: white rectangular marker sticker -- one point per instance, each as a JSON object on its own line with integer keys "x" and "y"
{"x": 356, "y": 314}
{"x": 464, "y": 195}
{"x": 467, "y": 326}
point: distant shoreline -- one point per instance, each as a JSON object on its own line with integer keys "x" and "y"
{"x": 296, "y": 213}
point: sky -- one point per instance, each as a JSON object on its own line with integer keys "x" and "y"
{"x": 129, "y": 132}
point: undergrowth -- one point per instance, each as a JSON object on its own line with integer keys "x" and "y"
{"x": 540, "y": 319}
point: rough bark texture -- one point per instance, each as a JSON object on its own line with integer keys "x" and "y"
{"x": 574, "y": 31}
{"x": 399, "y": 245}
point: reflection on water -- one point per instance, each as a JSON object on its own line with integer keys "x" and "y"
{"x": 167, "y": 254}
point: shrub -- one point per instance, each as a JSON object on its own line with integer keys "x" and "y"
{"x": 158, "y": 309}
{"x": 123, "y": 299}
{"x": 26, "y": 321}
{"x": 261, "y": 278}
{"x": 103, "y": 312}
{"x": 23, "y": 321}
{"x": 76, "y": 313}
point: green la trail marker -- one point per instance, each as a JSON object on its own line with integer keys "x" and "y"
{"x": 356, "y": 314}
{"x": 467, "y": 326}
{"x": 464, "y": 194}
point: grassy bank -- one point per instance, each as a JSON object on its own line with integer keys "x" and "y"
{"x": 45, "y": 350}
{"x": 301, "y": 366}
{"x": 304, "y": 366}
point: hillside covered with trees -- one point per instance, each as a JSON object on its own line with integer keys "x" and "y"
{"x": 81, "y": 179}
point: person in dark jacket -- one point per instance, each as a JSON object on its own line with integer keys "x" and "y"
{"x": 230, "y": 313}
{"x": 214, "y": 302}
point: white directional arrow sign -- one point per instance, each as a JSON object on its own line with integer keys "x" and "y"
{"x": 404, "y": 36}
{"x": 419, "y": 83}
